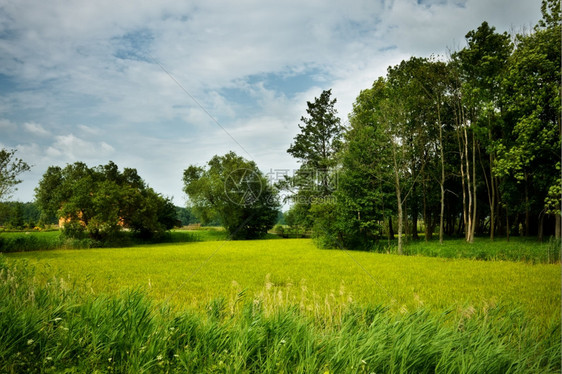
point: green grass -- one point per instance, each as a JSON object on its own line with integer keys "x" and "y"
{"x": 48, "y": 327}
{"x": 295, "y": 272}
{"x": 516, "y": 249}
{"x": 22, "y": 241}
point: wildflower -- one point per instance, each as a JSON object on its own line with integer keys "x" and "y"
{"x": 29, "y": 341}
{"x": 159, "y": 357}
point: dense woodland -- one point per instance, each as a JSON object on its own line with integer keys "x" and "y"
{"x": 460, "y": 146}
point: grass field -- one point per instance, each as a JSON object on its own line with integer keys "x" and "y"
{"x": 296, "y": 272}
{"x": 275, "y": 306}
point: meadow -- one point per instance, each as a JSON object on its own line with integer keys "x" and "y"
{"x": 276, "y": 306}
{"x": 294, "y": 271}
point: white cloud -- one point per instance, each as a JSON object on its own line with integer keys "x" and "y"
{"x": 85, "y": 79}
{"x": 71, "y": 148}
{"x": 36, "y": 129}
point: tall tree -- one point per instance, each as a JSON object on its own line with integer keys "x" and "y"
{"x": 316, "y": 148}
{"x": 319, "y": 139}
{"x": 435, "y": 81}
{"x": 530, "y": 150}
{"x": 482, "y": 67}
{"x": 365, "y": 196}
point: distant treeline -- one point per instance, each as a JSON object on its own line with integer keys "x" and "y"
{"x": 18, "y": 215}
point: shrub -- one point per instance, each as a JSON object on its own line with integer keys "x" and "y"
{"x": 279, "y": 230}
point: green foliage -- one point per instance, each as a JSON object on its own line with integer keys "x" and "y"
{"x": 299, "y": 219}
{"x": 365, "y": 193}
{"x": 531, "y": 150}
{"x": 49, "y": 240}
{"x": 18, "y": 215}
{"x": 325, "y": 231}
{"x": 234, "y": 191}
{"x": 319, "y": 138}
{"x": 49, "y": 328}
{"x": 472, "y": 143}
{"x": 278, "y": 229}
{"x": 185, "y": 216}
{"x": 517, "y": 249}
{"x": 10, "y": 169}
{"x": 316, "y": 147}
{"x": 99, "y": 202}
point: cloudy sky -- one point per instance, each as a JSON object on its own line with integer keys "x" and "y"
{"x": 149, "y": 84}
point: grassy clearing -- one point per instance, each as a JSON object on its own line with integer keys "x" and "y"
{"x": 49, "y": 327}
{"x": 322, "y": 283}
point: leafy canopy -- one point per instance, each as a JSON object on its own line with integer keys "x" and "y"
{"x": 233, "y": 191}
{"x": 100, "y": 201}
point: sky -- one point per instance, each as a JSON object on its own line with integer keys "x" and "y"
{"x": 161, "y": 85}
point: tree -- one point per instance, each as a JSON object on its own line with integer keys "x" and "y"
{"x": 185, "y": 216}
{"x": 365, "y": 197}
{"x": 10, "y": 168}
{"x": 529, "y": 151}
{"x": 234, "y": 191}
{"x": 481, "y": 68}
{"x": 298, "y": 218}
{"x": 319, "y": 140}
{"x": 316, "y": 148}
{"x": 99, "y": 202}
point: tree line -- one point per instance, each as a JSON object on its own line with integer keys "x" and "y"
{"x": 460, "y": 146}
{"x": 469, "y": 145}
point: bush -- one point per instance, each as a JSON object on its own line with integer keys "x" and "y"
{"x": 29, "y": 242}
{"x": 279, "y": 230}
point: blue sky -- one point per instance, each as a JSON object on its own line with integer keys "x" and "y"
{"x": 85, "y": 81}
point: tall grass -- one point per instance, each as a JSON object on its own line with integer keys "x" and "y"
{"x": 49, "y": 240}
{"x": 50, "y": 328}
{"x": 517, "y": 249}
{"x": 296, "y": 272}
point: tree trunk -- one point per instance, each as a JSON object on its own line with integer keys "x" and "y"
{"x": 400, "y": 251}
{"x": 527, "y": 213}
{"x": 426, "y": 223}
{"x": 541, "y": 226}
{"x": 463, "y": 184}
{"x": 405, "y": 223}
{"x": 466, "y": 173}
{"x": 398, "y": 198}
{"x": 442, "y": 184}
{"x": 390, "y": 229}
{"x": 489, "y": 186}
{"x": 493, "y": 200}
{"x": 507, "y": 228}
{"x": 557, "y": 229}
{"x": 442, "y": 212}
{"x": 415, "y": 235}
{"x": 471, "y": 186}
